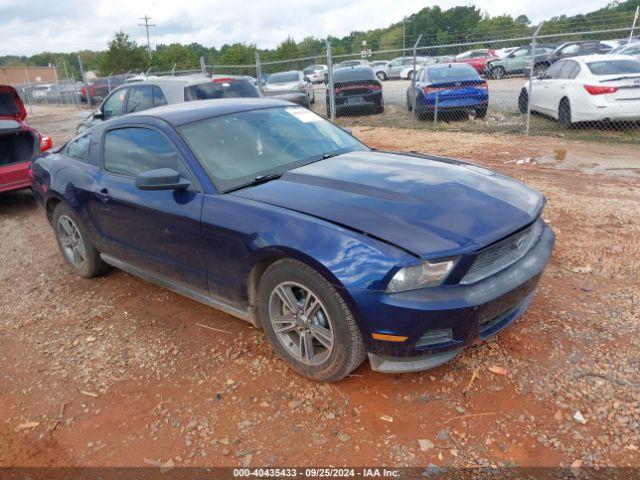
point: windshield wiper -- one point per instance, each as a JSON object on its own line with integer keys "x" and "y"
{"x": 265, "y": 178}
{"x": 256, "y": 181}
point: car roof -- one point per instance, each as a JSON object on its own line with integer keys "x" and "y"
{"x": 439, "y": 66}
{"x": 602, "y": 57}
{"x": 187, "y": 112}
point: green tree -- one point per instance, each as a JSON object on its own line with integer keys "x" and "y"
{"x": 123, "y": 55}
{"x": 182, "y": 56}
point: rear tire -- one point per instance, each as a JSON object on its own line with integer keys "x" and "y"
{"x": 564, "y": 112}
{"x": 523, "y": 101}
{"x": 481, "y": 112}
{"x": 289, "y": 289}
{"x": 73, "y": 241}
{"x": 381, "y": 76}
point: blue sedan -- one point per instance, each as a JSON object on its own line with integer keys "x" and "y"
{"x": 266, "y": 211}
{"x": 442, "y": 89}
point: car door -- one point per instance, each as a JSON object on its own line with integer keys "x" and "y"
{"x": 157, "y": 231}
{"x": 559, "y": 86}
{"x": 395, "y": 67}
{"x": 544, "y": 90}
{"x": 517, "y": 60}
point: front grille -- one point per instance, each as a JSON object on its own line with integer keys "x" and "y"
{"x": 502, "y": 254}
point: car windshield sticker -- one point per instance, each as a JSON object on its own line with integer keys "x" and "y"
{"x": 303, "y": 114}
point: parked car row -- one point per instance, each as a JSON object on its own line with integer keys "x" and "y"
{"x": 591, "y": 88}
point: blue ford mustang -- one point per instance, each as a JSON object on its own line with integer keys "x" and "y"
{"x": 268, "y": 212}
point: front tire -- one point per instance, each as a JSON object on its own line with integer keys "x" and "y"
{"x": 381, "y": 76}
{"x": 308, "y": 323}
{"x": 498, "y": 73}
{"x": 74, "y": 243}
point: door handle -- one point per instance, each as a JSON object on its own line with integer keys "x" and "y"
{"x": 103, "y": 195}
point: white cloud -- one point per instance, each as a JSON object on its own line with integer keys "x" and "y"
{"x": 70, "y": 25}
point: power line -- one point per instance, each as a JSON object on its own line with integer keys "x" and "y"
{"x": 147, "y": 26}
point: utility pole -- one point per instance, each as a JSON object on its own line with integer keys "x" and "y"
{"x": 147, "y": 26}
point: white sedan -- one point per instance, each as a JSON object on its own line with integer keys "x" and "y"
{"x": 587, "y": 89}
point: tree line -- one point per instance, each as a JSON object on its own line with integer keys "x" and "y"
{"x": 461, "y": 24}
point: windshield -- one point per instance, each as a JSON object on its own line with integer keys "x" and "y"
{"x": 283, "y": 77}
{"x": 221, "y": 88}
{"x": 452, "y": 74}
{"x": 235, "y": 149}
{"x": 614, "y": 67}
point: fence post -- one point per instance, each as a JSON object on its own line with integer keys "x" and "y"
{"x": 26, "y": 74}
{"x": 173, "y": 70}
{"x": 332, "y": 98}
{"x": 259, "y": 71}
{"x": 86, "y": 84}
{"x": 203, "y": 67}
{"x": 531, "y": 70}
{"x": 435, "y": 111}
{"x": 109, "y": 81}
{"x": 413, "y": 82}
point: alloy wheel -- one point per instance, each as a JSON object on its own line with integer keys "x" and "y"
{"x": 301, "y": 323}
{"x": 71, "y": 241}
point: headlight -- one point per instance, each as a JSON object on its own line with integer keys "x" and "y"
{"x": 426, "y": 274}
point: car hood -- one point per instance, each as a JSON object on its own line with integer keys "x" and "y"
{"x": 12, "y": 107}
{"x": 429, "y": 206}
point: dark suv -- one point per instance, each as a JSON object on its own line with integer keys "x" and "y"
{"x": 578, "y": 49}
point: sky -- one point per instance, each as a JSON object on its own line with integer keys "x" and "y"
{"x": 28, "y": 27}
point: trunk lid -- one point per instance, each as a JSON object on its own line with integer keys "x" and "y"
{"x": 430, "y": 207}
{"x": 11, "y": 106}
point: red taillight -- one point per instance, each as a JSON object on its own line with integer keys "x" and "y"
{"x": 429, "y": 90}
{"x": 372, "y": 87}
{"x": 45, "y": 144}
{"x": 222, "y": 80}
{"x": 599, "y": 89}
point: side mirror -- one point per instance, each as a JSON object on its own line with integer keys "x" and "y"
{"x": 161, "y": 179}
{"x": 98, "y": 115}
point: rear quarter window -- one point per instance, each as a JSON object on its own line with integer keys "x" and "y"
{"x": 236, "y": 88}
{"x": 351, "y": 74}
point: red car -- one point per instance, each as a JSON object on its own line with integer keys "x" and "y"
{"x": 18, "y": 141}
{"x": 476, "y": 58}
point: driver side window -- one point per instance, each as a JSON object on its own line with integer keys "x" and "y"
{"x": 131, "y": 151}
{"x": 113, "y": 105}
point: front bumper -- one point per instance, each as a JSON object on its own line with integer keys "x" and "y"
{"x": 439, "y": 322}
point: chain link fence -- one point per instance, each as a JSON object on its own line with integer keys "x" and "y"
{"x": 571, "y": 83}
